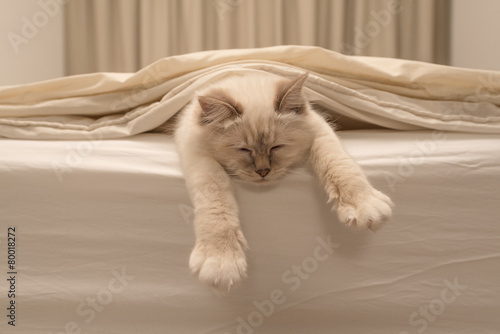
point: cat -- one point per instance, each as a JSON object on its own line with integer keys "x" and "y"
{"x": 258, "y": 126}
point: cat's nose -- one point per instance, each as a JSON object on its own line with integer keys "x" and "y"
{"x": 263, "y": 172}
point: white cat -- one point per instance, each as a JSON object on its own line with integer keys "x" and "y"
{"x": 256, "y": 127}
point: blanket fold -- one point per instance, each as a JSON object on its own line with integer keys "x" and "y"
{"x": 392, "y": 93}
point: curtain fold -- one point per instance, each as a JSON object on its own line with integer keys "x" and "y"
{"x": 125, "y": 35}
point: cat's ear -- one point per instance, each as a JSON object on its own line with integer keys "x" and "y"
{"x": 289, "y": 96}
{"x": 216, "y": 108}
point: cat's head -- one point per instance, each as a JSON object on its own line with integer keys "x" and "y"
{"x": 256, "y": 126}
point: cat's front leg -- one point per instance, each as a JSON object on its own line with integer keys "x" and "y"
{"x": 218, "y": 258}
{"x": 357, "y": 203}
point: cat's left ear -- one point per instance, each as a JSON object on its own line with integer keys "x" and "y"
{"x": 289, "y": 96}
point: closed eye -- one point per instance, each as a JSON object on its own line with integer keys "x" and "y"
{"x": 277, "y": 147}
{"x": 243, "y": 149}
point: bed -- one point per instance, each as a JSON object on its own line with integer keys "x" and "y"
{"x": 96, "y": 223}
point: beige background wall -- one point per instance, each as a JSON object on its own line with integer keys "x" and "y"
{"x": 476, "y": 34}
{"x": 37, "y": 51}
{"x": 39, "y": 24}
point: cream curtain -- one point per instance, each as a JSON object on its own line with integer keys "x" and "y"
{"x": 125, "y": 35}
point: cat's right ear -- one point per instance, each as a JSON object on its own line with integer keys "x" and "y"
{"x": 215, "y": 109}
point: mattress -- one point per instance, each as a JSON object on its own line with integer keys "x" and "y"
{"x": 95, "y": 237}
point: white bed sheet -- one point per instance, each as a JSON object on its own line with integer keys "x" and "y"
{"x": 104, "y": 233}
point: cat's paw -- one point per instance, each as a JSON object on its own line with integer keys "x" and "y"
{"x": 368, "y": 210}
{"x": 222, "y": 263}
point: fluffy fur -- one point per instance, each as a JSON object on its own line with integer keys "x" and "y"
{"x": 257, "y": 127}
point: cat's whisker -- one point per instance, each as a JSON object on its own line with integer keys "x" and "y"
{"x": 292, "y": 172}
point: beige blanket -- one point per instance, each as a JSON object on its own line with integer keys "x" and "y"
{"x": 393, "y": 93}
